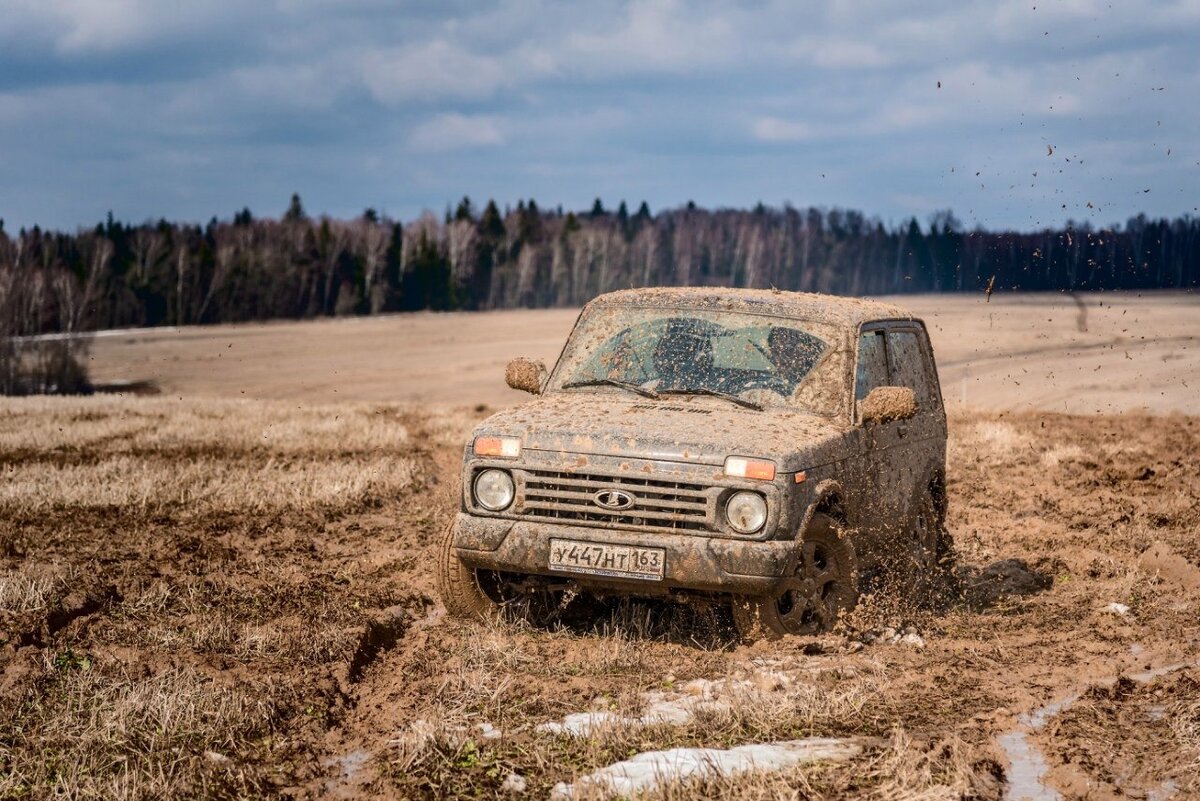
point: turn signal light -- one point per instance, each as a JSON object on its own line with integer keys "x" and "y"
{"x": 504, "y": 447}
{"x": 740, "y": 467}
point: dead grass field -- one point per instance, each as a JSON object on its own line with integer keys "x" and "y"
{"x": 224, "y": 596}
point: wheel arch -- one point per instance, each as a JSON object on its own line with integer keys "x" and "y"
{"x": 828, "y": 498}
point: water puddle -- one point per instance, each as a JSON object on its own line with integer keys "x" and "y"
{"x": 1027, "y": 764}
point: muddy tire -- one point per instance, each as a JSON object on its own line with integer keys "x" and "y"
{"x": 930, "y": 562}
{"x": 480, "y": 594}
{"x": 823, "y": 585}
{"x": 458, "y": 585}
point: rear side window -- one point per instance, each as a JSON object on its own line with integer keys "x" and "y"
{"x": 909, "y": 367}
{"x": 872, "y": 364}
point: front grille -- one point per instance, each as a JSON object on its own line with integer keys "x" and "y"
{"x": 659, "y": 504}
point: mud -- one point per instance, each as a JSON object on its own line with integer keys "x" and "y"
{"x": 524, "y": 374}
{"x": 886, "y": 404}
{"x": 316, "y": 620}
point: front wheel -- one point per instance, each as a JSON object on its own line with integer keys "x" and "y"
{"x": 480, "y": 594}
{"x": 822, "y": 585}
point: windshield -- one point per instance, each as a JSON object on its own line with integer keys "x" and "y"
{"x": 758, "y": 359}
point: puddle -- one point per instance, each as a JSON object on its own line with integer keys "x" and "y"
{"x": 653, "y": 769}
{"x": 1027, "y": 765}
{"x": 1163, "y": 792}
{"x": 350, "y": 766}
{"x": 1027, "y": 769}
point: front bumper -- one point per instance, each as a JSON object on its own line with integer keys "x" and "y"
{"x": 693, "y": 561}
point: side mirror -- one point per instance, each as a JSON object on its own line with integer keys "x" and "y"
{"x": 525, "y": 374}
{"x": 885, "y": 404}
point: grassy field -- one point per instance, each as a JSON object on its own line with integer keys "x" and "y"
{"x": 224, "y": 596}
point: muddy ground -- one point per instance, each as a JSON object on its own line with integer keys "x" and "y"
{"x": 235, "y": 598}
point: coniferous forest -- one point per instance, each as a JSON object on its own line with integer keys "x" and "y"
{"x": 297, "y": 266}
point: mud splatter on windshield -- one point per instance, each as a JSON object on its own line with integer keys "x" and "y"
{"x": 759, "y": 359}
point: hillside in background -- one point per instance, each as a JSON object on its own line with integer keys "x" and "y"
{"x": 297, "y": 266}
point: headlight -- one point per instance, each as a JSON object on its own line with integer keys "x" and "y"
{"x": 746, "y": 512}
{"x": 494, "y": 490}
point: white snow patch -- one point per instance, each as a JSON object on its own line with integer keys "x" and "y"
{"x": 652, "y": 769}
{"x": 679, "y": 706}
{"x": 488, "y": 732}
{"x": 514, "y": 783}
{"x": 659, "y": 710}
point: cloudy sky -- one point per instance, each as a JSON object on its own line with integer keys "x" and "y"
{"x": 189, "y": 110}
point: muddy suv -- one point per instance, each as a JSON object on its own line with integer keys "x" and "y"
{"x": 775, "y": 450}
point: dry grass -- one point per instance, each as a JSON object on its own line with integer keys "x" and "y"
{"x": 1184, "y": 715}
{"x": 188, "y": 588}
{"x": 93, "y": 733}
{"x": 484, "y": 679}
{"x": 31, "y": 589}
{"x": 153, "y": 454}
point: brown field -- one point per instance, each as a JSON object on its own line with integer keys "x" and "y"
{"x": 227, "y": 590}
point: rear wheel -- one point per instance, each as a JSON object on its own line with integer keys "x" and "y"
{"x": 479, "y": 594}
{"x": 822, "y": 585}
{"x": 931, "y": 553}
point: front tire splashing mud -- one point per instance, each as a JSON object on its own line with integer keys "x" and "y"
{"x": 822, "y": 585}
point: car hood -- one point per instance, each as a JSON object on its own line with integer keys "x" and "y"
{"x": 696, "y": 429}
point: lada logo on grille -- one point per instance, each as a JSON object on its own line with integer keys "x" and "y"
{"x": 614, "y": 500}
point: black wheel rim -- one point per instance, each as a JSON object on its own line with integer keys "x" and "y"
{"x": 809, "y": 602}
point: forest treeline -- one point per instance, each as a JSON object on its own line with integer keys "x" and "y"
{"x": 296, "y": 266}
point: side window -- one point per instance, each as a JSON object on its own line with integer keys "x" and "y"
{"x": 872, "y": 364}
{"x": 910, "y": 368}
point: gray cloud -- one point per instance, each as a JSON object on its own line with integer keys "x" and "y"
{"x": 156, "y": 109}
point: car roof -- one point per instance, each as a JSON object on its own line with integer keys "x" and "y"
{"x": 800, "y": 305}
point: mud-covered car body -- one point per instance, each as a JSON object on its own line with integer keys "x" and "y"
{"x": 644, "y": 466}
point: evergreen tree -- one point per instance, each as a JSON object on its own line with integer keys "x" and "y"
{"x": 295, "y": 211}
{"x": 491, "y": 224}
{"x": 464, "y": 210}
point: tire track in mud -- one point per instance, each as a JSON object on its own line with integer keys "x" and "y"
{"x": 392, "y": 634}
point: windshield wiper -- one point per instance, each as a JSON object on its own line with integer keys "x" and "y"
{"x": 612, "y": 382}
{"x": 749, "y": 404}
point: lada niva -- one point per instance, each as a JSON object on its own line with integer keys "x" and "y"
{"x": 774, "y": 450}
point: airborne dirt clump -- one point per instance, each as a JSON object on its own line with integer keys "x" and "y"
{"x": 230, "y": 598}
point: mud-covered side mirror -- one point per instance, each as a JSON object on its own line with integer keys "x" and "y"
{"x": 885, "y": 404}
{"x": 526, "y": 374}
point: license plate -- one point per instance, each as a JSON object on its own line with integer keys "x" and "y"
{"x": 602, "y": 559}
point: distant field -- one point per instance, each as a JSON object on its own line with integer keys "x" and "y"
{"x": 1104, "y": 353}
